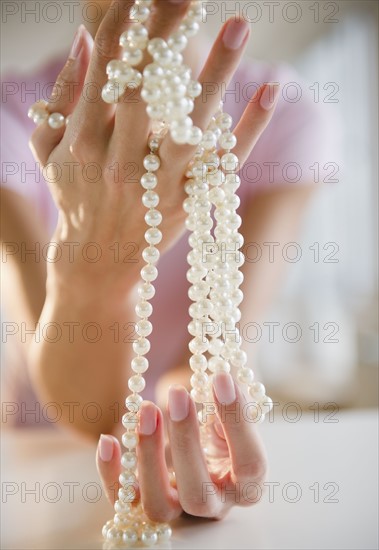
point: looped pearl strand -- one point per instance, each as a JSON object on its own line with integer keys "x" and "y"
{"x": 215, "y": 262}
{"x": 39, "y": 113}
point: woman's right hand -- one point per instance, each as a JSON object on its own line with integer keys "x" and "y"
{"x": 95, "y": 163}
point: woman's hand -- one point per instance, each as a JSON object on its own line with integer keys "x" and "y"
{"x": 93, "y": 166}
{"x": 238, "y": 462}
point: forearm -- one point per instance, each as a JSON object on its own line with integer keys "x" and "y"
{"x": 82, "y": 357}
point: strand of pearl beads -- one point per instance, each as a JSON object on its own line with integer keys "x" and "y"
{"x": 169, "y": 92}
{"x": 214, "y": 280}
{"x": 39, "y": 114}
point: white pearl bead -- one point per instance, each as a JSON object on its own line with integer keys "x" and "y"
{"x": 153, "y": 217}
{"x": 140, "y": 364}
{"x": 56, "y": 121}
{"x": 163, "y": 57}
{"x": 151, "y": 162}
{"x": 153, "y": 73}
{"x": 136, "y": 36}
{"x": 133, "y": 402}
{"x": 199, "y": 379}
{"x": 195, "y": 136}
{"x": 245, "y": 375}
{"x": 177, "y": 42}
{"x": 156, "y": 45}
{"x": 129, "y": 460}
{"x": 218, "y": 364}
{"x": 130, "y": 537}
{"x": 149, "y": 536}
{"x": 229, "y": 162}
{"x": 266, "y": 404}
{"x": 130, "y": 421}
{"x": 153, "y": 235}
{"x": 122, "y": 507}
{"x": 228, "y": 141}
{"x": 144, "y": 309}
{"x": 136, "y": 383}
{"x": 194, "y": 89}
{"x": 151, "y": 255}
{"x": 196, "y": 273}
{"x": 114, "y": 535}
{"x": 149, "y": 273}
{"x": 198, "y": 362}
{"x": 198, "y": 345}
{"x": 257, "y": 390}
{"x": 224, "y": 121}
{"x": 139, "y": 13}
{"x": 216, "y": 177}
{"x": 215, "y": 346}
{"x": 209, "y": 140}
{"x": 149, "y": 181}
{"x": 127, "y": 495}
{"x": 217, "y": 195}
{"x": 141, "y": 346}
{"x": 130, "y": 440}
{"x": 164, "y": 532}
{"x": 151, "y": 94}
{"x": 239, "y": 358}
{"x": 198, "y": 290}
{"x": 189, "y": 28}
{"x": 146, "y": 291}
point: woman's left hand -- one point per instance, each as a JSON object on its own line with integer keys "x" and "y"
{"x": 238, "y": 467}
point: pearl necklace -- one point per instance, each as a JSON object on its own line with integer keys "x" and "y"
{"x": 214, "y": 260}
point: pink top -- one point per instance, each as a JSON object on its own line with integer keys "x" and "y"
{"x": 294, "y": 141}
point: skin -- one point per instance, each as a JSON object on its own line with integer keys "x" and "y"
{"x": 105, "y": 292}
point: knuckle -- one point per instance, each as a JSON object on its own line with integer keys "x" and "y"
{"x": 255, "y": 470}
{"x": 106, "y": 46}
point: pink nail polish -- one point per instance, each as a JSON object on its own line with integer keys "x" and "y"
{"x": 235, "y": 34}
{"x": 148, "y": 419}
{"x": 106, "y": 446}
{"x": 224, "y": 388}
{"x": 77, "y": 43}
{"x": 178, "y": 403}
{"x": 269, "y": 96}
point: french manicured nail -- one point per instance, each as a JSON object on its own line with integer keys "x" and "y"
{"x": 235, "y": 34}
{"x": 224, "y": 388}
{"x": 269, "y": 96}
{"x": 148, "y": 419}
{"x": 77, "y": 43}
{"x": 106, "y": 446}
{"x": 178, "y": 403}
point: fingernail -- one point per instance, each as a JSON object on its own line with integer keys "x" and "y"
{"x": 224, "y": 388}
{"x": 106, "y": 444}
{"x": 77, "y": 43}
{"x": 148, "y": 419}
{"x": 269, "y": 96}
{"x": 235, "y": 34}
{"x": 177, "y": 1}
{"x": 178, "y": 403}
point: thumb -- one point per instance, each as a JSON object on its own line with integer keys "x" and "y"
{"x": 108, "y": 462}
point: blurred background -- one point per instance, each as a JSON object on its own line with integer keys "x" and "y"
{"x": 326, "y": 343}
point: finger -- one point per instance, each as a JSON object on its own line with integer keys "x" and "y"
{"x": 165, "y": 18}
{"x": 255, "y": 119}
{"x": 108, "y": 462}
{"x": 246, "y": 450}
{"x": 92, "y": 110}
{"x": 65, "y": 95}
{"x": 197, "y": 493}
{"x": 220, "y": 66}
{"x": 159, "y": 498}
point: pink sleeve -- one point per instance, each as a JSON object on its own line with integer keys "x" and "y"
{"x": 301, "y": 142}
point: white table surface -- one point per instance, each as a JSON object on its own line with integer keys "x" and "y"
{"x": 304, "y": 453}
